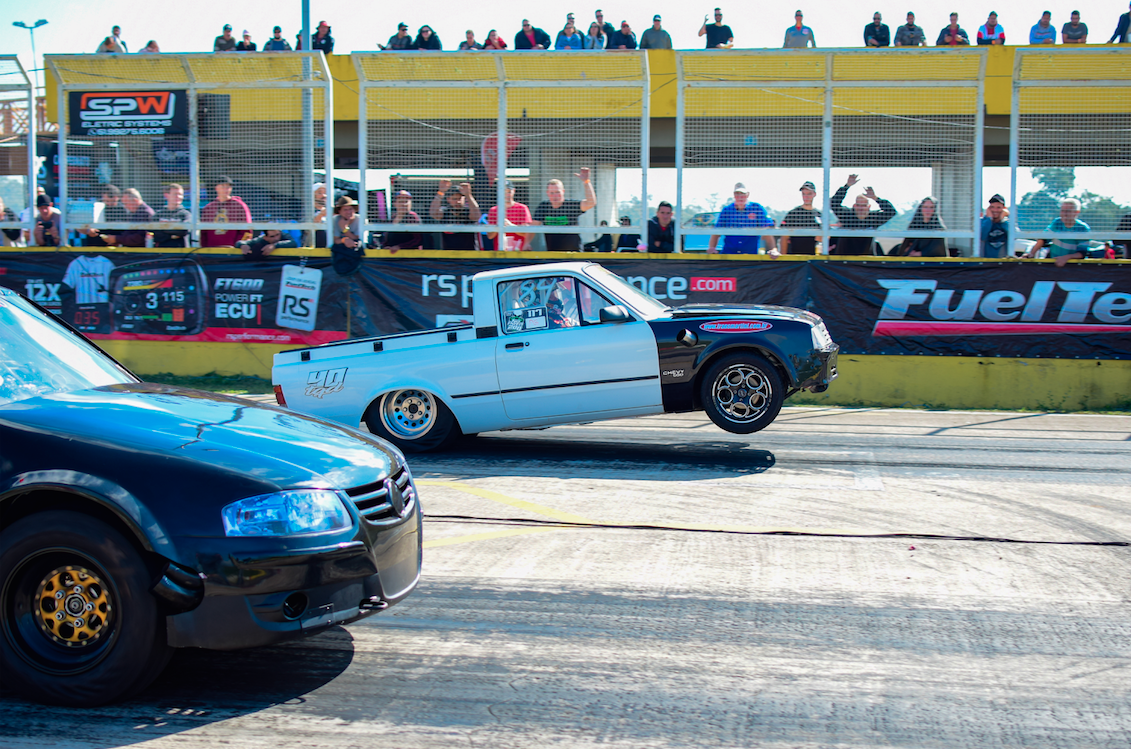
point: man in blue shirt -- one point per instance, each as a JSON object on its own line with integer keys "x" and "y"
{"x": 1061, "y": 250}
{"x": 799, "y": 36}
{"x": 995, "y": 229}
{"x": 741, "y": 214}
{"x": 1043, "y": 32}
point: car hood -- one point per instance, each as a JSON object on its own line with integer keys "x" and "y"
{"x": 752, "y": 311}
{"x": 268, "y": 445}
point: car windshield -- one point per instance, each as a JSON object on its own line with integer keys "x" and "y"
{"x": 39, "y": 356}
{"x": 629, "y": 294}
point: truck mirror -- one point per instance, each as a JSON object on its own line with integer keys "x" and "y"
{"x": 615, "y": 313}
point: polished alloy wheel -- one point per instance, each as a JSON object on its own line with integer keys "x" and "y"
{"x": 408, "y": 414}
{"x": 742, "y": 393}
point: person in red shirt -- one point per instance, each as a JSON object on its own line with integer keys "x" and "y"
{"x": 517, "y": 214}
{"x": 225, "y": 209}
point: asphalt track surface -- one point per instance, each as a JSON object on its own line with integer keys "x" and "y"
{"x": 847, "y": 578}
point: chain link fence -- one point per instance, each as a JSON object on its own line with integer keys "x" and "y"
{"x": 17, "y": 152}
{"x": 241, "y": 135}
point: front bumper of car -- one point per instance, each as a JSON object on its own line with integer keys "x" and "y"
{"x": 264, "y": 591}
{"x": 820, "y": 370}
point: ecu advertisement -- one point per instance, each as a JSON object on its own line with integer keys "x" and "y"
{"x": 915, "y": 308}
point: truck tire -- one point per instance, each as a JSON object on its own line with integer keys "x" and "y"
{"x": 79, "y": 626}
{"x": 742, "y": 393}
{"x": 414, "y": 420}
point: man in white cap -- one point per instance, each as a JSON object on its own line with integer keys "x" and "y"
{"x": 655, "y": 37}
{"x": 741, "y": 214}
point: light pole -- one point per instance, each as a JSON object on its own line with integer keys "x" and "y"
{"x": 31, "y": 30}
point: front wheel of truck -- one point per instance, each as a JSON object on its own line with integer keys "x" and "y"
{"x": 414, "y": 420}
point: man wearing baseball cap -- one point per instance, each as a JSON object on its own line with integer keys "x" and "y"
{"x": 399, "y": 41}
{"x": 804, "y": 216}
{"x": 741, "y": 214}
{"x": 225, "y": 42}
{"x": 321, "y": 39}
{"x": 995, "y": 229}
{"x": 655, "y": 37}
{"x": 277, "y": 43}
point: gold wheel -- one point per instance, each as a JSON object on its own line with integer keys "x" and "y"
{"x": 73, "y": 606}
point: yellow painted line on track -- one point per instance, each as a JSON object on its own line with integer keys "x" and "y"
{"x": 520, "y": 504}
{"x": 486, "y": 536}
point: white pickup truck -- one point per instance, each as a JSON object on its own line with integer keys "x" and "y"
{"x": 562, "y": 343}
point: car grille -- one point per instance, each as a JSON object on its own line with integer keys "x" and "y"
{"x": 376, "y": 506}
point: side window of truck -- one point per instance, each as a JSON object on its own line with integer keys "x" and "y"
{"x": 531, "y": 304}
{"x": 591, "y": 303}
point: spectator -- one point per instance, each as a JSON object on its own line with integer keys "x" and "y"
{"x": 517, "y": 214}
{"x": 399, "y": 41}
{"x": 112, "y": 212}
{"x": 1063, "y": 250}
{"x": 321, "y": 40}
{"x": 150, "y": 49}
{"x": 799, "y": 36}
{"x": 718, "y": 35}
{"x": 804, "y": 216}
{"x": 661, "y": 229}
{"x": 116, "y": 35}
{"x": 1122, "y": 30}
{"x": 469, "y": 43}
{"x": 494, "y": 41}
{"x": 460, "y": 208}
{"x": 877, "y": 33}
{"x": 347, "y": 247}
{"x": 925, "y": 218}
{"x": 1124, "y": 226}
{"x": 426, "y": 40}
{"x": 1074, "y": 32}
{"x": 952, "y": 34}
{"x": 225, "y": 209}
{"x": 858, "y": 218}
{"x": 624, "y": 38}
{"x": 606, "y": 28}
{"x": 225, "y": 42}
{"x": 629, "y": 242}
{"x": 110, "y": 47}
{"x": 8, "y": 237}
{"x": 741, "y": 214}
{"x": 172, "y": 212}
{"x": 531, "y": 37}
{"x": 557, "y": 211}
{"x": 245, "y": 44}
{"x": 47, "y": 225}
{"x": 266, "y": 243}
{"x": 568, "y": 38}
{"x": 595, "y": 39}
{"x": 26, "y": 213}
{"x": 277, "y": 43}
{"x": 1043, "y": 31}
{"x": 995, "y": 229}
{"x": 991, "y": 32}
{"x": 137, "y": 212}
{"x": 655, "y": 37}
{"x": 403, "y": 214}
{"x": 319, "y": 238}
{"x": 910, "y": 35}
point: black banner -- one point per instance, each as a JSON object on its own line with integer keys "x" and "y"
{"x": 118, "y": 113}
{"x": 1015, "y": 309}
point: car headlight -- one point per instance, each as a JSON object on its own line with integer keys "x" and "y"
{"x": 288, "y": 513}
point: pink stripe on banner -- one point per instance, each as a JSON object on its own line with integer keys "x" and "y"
{"x": 900, "y": 328}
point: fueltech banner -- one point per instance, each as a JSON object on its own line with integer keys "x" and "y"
{"x": 976, "y": 309}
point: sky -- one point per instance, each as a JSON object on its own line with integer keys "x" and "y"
{"x": 78, "y": 26}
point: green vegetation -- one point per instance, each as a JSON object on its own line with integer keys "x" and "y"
{"x": 216, "y": 383}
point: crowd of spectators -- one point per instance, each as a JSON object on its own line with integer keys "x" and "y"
{"x": 604, "y": 35}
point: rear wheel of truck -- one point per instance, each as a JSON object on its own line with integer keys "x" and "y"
{"x": 413, "y": 420}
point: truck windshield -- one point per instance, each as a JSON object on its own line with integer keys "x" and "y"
{"x": 629, "y": 294}
{"x": 39, "y": 356}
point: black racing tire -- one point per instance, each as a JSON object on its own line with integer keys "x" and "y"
{"x": 742, "y": 393}
{"x": 414, "y": 420}
{"x": 79, "y": 625}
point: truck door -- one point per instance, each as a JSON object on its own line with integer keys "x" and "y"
{"x": 555, "y": 357}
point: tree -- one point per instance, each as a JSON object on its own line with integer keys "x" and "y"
{"x": 1058, "y": 181}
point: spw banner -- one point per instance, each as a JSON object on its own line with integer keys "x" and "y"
{"x": 141, "y": 296}
{"x": 118, "y": 113}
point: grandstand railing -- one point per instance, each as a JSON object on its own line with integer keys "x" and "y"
{"x": 266, "y": 121}
{"x": 14, "y": 80}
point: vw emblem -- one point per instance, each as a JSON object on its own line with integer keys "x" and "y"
{"x": 395, "y": 498}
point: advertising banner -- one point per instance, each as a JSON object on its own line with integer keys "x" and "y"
{"x": 151, "y": 296}
{"x": 118, "y": 113}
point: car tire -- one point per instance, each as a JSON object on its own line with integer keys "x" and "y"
{"x": 742, "y": 393}
{"x": 79, "y": 625}
{"x": 414, "y": 420}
